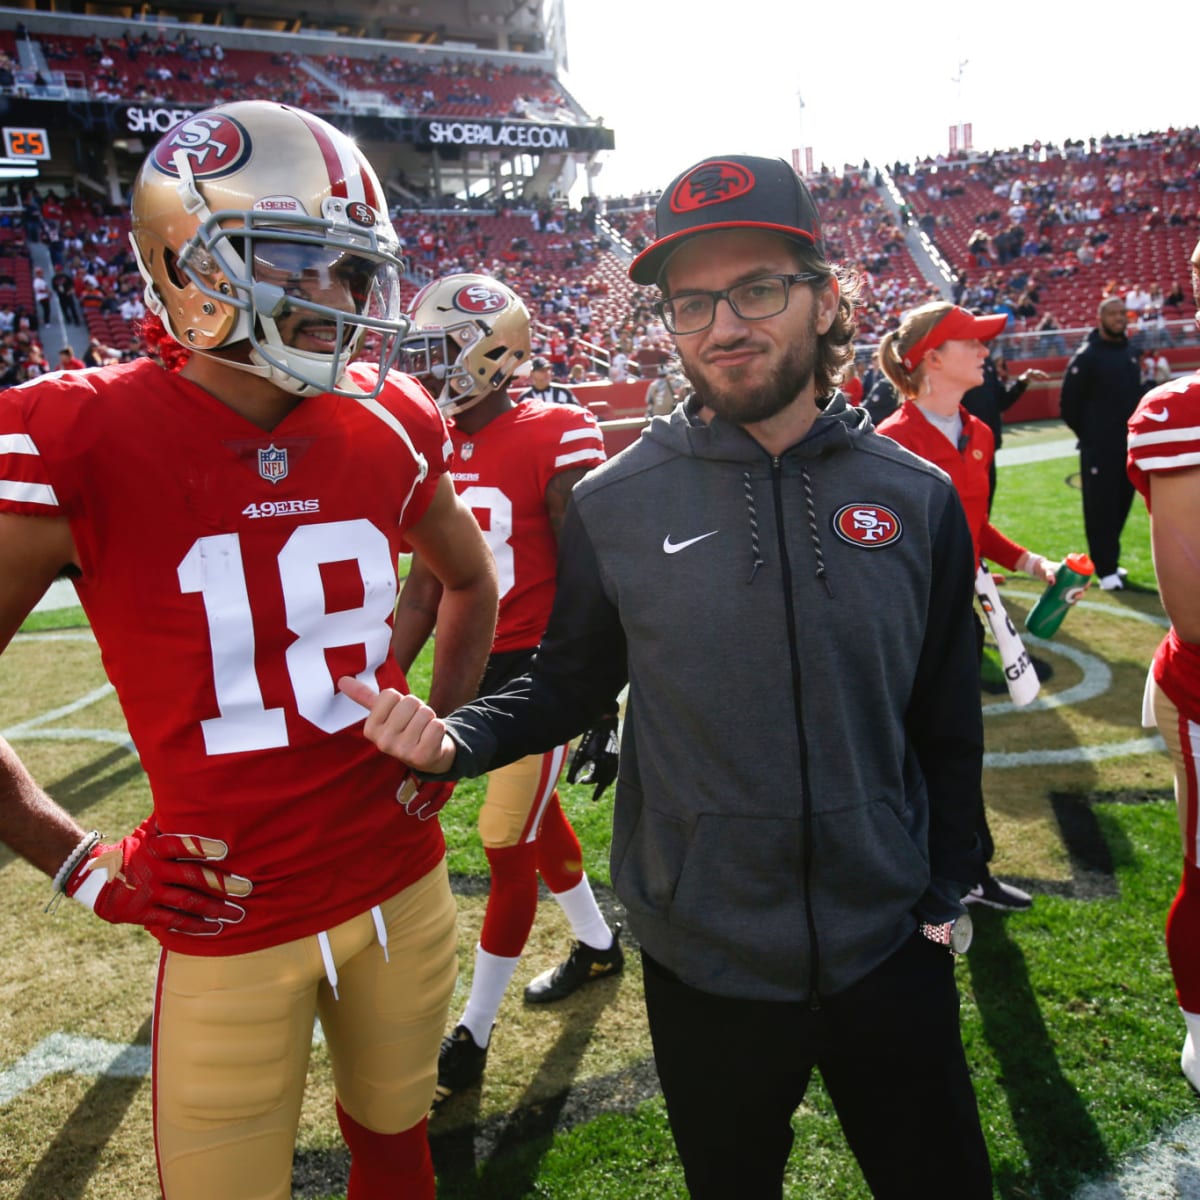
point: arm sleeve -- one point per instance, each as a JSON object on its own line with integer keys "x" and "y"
{"x": 997, "y": 548}
{"x": 944, "y": 720}
{"x": 1011, "y": 393}
{"x": 578, "y": 669}
{"x": 1071, "y": 399}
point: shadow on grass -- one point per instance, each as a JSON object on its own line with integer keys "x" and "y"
{"x": 89, "y": 785}
{"x": 500, "y": 1157}
{"x": 1060, "y": 1151}
{"x": 84, "y": 1137}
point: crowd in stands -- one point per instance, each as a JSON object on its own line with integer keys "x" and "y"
{"x": 178, "y": 67}
{"x": 1040, "y": 233}
{"x": 1043, "y": 235}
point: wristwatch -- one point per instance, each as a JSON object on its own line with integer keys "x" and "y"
{"x": 954, "y": 935}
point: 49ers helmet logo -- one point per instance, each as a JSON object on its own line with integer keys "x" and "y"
{"x": 216, "y": 145}
{"x": 360, "y": 213}
{"x": 868, "y": 525}
{"x": 711, "y": 183}
{"x": 479, "y": 298}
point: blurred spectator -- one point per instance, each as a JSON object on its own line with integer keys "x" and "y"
{"x": 41, "y": 293}
{"x": 63, "y": 286}
{"x": 67, "y": 360}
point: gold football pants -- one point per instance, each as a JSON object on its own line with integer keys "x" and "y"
{"x": 232, "y": 1037}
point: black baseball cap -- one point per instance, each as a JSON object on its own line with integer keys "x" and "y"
{"x": 539, "y": 364}
{"x": 732, "y": 191}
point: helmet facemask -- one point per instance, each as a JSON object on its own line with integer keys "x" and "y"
{"x": 271, "y": 269}
{"x": 460, "y": 357}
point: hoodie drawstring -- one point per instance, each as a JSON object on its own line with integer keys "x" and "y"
{"x": 755, "y": 549}
{"x": 814, "y": 530}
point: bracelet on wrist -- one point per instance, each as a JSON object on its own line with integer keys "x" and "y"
{"x": 81, "y": 851}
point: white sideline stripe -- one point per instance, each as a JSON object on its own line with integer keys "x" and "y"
{"x": 1169, "y": 1166}
{"x": 68, "y": 1053}
{"x": 105, "y": 689}
{"x": 1015, "y": 456}
{"x": 1074, "y": 754}
{"x": 78, "y": 1055}
{"x": 60, "y": 594}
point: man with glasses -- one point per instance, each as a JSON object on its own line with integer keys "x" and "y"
{"x": 799, "y": 780}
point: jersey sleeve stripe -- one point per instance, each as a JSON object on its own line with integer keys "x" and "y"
{"x": 28, "y": 493}
{"x": 1155, "y": 437}
{"x": 1173, "y": 462}
{"x": 591, "y": 434}
{"x": 17, "y": 443}
{"x": 578, "y": 456}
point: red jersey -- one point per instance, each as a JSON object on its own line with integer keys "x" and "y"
{"x": 1164, "y": 435}
{"x": 231, "y": 576}
{"x": 967, "y": 465}
{"x": 501, "y": 472}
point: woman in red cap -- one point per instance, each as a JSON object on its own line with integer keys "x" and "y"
{"x": 933, "y": 359}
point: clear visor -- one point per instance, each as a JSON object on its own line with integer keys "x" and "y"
{"x": 333, "y": 277}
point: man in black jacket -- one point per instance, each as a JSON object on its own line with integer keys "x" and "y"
{"x": 1100, "y": 390}
{"x": 994, "y": 397}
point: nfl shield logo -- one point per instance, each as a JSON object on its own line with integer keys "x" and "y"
{"x": 272, "y": 464}
{"x": 466, "y": 450}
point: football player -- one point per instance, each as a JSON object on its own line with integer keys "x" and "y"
{"x": 232, "y": 529}
{"x": 1164, "y": 466}
{"x": 514, "y": 465}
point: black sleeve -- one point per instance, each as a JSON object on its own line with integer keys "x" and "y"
{"x": 573, "y": 680}
{"x": 944, "y": 720}
{"x": 1071, "y": 400}
{"x": 1011, "y": 392}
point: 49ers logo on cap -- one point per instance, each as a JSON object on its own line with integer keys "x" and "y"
{"x": 711, "y": 183}
{"x": 867, "y": 525}
{"x": 479, "y": 298}
{"x": 215, "y": 145}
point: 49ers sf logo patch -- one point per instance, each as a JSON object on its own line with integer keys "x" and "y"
{"x": 214, "y": 143}
{"x": 711, "y": 183}
{"x": 479, "y": 298}
{"x": 868, "y": 525}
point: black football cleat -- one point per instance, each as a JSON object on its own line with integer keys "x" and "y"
{"x": 583, "y": 965}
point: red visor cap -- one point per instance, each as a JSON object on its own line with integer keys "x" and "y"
{"x": 957, "y": 325}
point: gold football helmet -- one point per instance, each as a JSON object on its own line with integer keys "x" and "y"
{"x": 253, "y": 212}
{"x": 469, "y": 336}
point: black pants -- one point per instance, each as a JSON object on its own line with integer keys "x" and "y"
{"x": 889, "y": 1051}
{"x": 1107, "y": 497}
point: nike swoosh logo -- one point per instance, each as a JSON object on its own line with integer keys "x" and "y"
{"x": 670, "y": 547}
{"x": 1156, "y": 416}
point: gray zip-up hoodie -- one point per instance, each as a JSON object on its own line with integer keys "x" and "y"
{"x": 800, "y": 765}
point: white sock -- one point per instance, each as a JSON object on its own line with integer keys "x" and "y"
{"x": 1189, "y": 1060}
{"x": 587, "y": 921}
{"x": 488, "y": 985}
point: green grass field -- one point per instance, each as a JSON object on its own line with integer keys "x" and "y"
{"x": 1068, "y": 1011}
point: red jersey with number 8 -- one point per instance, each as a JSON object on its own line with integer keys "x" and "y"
{"x": 502, "y": 473}
{"x": 231, "y": 575}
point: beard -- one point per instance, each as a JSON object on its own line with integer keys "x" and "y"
{"x": 736, "y": 399}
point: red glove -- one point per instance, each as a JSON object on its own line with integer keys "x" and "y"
{"x": 160, "y": 880}
{"x": 423, "y": 800}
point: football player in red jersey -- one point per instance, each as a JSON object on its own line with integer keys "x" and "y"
{"x": 232, "y": 529}
{"x": 514, "y": 465}
{"x": 1164, "y": 465}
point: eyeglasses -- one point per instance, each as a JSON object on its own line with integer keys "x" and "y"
{"x": 754, "y": 300}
